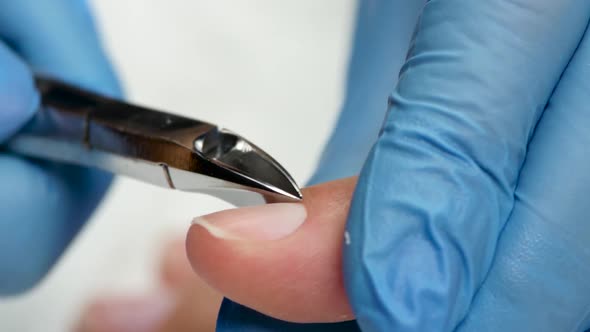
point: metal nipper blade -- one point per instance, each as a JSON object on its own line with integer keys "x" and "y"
{"x": 80, "y": 127}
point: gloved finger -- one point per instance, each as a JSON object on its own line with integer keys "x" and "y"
{"x": 47, "y": 203}
{"x": 383, "y": 32}
{"x": 59, "y": 38}
{"x": 283, "y": 260}
{"x": 438, "y": 185}
{"x": 539, "y": 278}
{"x": 18, "y": 97}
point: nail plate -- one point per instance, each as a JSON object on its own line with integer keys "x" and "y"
{"x": 256, "y": 223}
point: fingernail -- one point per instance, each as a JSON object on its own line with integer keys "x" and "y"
{"x": 145, "y": 314}
{"x": 258, "y": 223}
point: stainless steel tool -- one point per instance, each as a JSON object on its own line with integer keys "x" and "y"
{"x": 81, "y": 127}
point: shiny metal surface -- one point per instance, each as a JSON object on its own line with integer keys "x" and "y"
{"x": 80, "y": 127}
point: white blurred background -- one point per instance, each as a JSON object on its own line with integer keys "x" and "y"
{"x": 272, "y": 71}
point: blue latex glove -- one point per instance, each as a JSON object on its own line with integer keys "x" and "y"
{"x": 440, "y": 184}
{"x": 539, "y": 277}
{"x": 42, "y": 204}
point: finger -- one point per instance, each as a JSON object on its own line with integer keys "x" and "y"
{"x": 383, "y": 32}
{"x": 59, "y": 38}
{"x": 183, "y": 303}
{"x": 197, "y": 303}
{"x": 47, "y": 203}
{"x": 145, "y": 313}
{"x": 539, "y": 278}
{"x": 190, "y": 307}
{"x": 280, "y": 259}
{"x": 18, "y": 101}
{"x": 438, "y": 185}
{"x": 196, "y": 309}
{"x": 18, "y": 96}
{"x": 175, "y": 269}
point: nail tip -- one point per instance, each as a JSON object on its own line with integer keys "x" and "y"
{"x": 215, "y": 231}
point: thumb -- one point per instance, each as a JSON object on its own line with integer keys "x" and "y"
{"x": 283, "y": 260}
{"x": 18, "y": 96}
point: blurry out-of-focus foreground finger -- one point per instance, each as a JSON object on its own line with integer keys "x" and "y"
{"x": 182, "y": 303}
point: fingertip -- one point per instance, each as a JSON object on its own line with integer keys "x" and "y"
{"x": 201, "y": 248}
{"x": 175, "y": 269}
{"x": 295, "y": 277}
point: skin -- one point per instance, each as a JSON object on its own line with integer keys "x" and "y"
{"x": 195, "y": 305}
{"x": 296, "y": 278}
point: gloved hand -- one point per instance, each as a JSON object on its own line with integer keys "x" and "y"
{"x": 43, "y": 204}
{"x": 440, "y": 184}
{"x": 483, "y": 90}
